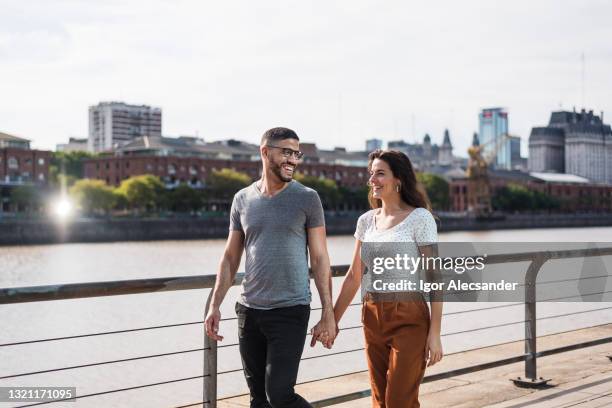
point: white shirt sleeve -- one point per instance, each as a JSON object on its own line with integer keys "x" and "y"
{"x": 426, "y": 230}
{"x": 362, "y": 226}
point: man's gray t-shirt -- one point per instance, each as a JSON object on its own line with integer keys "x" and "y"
{"x": 275, "y": 242}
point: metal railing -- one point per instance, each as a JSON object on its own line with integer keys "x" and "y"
{"x": 210, "y": 374}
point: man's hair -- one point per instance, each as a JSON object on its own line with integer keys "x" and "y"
{"x": 278, "y": 133}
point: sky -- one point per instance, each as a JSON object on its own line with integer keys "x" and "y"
{"x": 337, "y": 72}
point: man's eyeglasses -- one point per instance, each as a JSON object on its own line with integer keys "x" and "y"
{"x": 286, "y": 152}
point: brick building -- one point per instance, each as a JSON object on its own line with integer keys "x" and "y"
{"x": 574, "y": 193}
{"x": 19, "y": 166}
{"x": 191, "y": 160}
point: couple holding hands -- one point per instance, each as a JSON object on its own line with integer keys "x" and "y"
{"x": 279, "y": 224}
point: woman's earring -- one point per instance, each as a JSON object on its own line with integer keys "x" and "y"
{"x": 397, "y": 188}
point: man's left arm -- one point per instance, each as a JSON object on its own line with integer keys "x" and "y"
{"x": 325, "y": 330}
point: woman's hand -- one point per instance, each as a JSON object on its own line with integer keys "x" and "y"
{"x": 433, "y": 349}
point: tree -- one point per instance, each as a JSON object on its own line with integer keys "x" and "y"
{"x": 354, "y": 199}
{"x": 437, "y": 189}
{"x": 26, "y": 198}
{"x": 327, "y": 189}
{"x": 184, "y": 198}
{"x": 144, "y": 192}
{"x": 515, "y": 197}
{"x": 93, "y": 195}
{"x": 69, "y": 164}
{"x": 223, "y": 184}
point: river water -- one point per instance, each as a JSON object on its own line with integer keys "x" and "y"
{"x": 71, "y": 263}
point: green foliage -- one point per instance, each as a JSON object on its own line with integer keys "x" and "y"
{"x": 144, "y": 192}
{"x": 223, "y": 184}
{"x": 93, "y": 195}
{"x": 356, "y": 199}
{"x": 517, "y": 198}
{"x": 184, "y": 199}
{"x": 437, "y": 189}
{"x": 26, "y": 197}
{"x": 327, "y": 189}
{"x": 68, "y": 163}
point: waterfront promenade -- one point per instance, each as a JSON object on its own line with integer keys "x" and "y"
{"x": 580, "y": 378}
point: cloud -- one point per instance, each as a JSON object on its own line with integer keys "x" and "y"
{"x": 338, "y": 72}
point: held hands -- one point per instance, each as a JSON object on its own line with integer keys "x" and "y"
{"x": 433, "y": 349}
{"x": 325, "y": 331}
{"x": 211, "y": 324}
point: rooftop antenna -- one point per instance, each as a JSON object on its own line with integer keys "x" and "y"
{"x": 582, "y": 64}
{"x": 339, "y": 115}
{"x": 414, "y": 136}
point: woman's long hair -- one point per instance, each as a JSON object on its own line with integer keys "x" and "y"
{"x": 411, "y": 191}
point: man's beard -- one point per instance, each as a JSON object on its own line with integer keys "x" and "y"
{"x": 277, "y": 170}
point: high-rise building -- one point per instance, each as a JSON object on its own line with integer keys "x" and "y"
{"x": 373, "y": 144}
{"x": 515, "y": 151}
{"x": 493, "y": 128}
{"x": 576, "y": 143}
{"x": 547, "y": 150}
{"x": 112, "y": 124}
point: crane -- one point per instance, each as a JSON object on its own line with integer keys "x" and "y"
{"x": 479, "y": 186}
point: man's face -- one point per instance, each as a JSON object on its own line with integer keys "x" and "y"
{"x": 281, "y": 162}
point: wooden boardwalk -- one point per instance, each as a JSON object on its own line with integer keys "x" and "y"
{"x": 580, "y": 378}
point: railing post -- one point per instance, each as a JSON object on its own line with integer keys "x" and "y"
{"x": 531, "y": 379}
{"x": 209, "y": 391}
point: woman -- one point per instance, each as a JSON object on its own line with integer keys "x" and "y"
{"x": 401, "y": 337}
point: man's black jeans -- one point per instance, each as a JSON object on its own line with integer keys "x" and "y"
{"x": 271, "y": 345}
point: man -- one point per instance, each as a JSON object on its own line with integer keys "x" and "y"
{"x": 277, "y": 221}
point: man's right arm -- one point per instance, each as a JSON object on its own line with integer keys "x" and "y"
{"x": 225, "y": 278}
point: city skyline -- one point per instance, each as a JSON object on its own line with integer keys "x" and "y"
{"x": 360, "y": 70}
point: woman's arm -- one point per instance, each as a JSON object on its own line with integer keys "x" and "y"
{"x": 433, "y": 351}
{"x": 350, "y": 285}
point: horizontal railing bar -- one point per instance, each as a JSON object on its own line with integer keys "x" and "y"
{"x": 523, "y": 321}
{"x": 495, "y": 326}
{"x": 104, "y": 288}
{"x": 522, "y": 285}
{"x": 113, "y": 288}
{"x": 559, "y": 254}
{"x": 228, "y": 345}
{"x": 483, "y": 309}
{"x": 332, "y": 354}
{"x": 118, "y": 390}
{"x": 230, "y": 371}
{"x": 573, "y": 347}
{"x": 500, "y": 325}
{"x": 575, "y": 296}
{"x": 98, "y": 334}
{"x": 102, "y": 363}
{"x": 195, "y": 404}
{"x": 570, "y": 280}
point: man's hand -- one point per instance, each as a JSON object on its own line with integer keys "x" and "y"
{"x": 212, "y": 323}
{"x": 325, "y": 331}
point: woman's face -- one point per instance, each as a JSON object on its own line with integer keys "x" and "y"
{"x": 382, "y": 181}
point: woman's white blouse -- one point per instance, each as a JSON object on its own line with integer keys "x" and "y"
{"x": 419, "y": 227}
